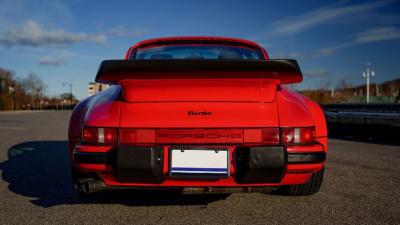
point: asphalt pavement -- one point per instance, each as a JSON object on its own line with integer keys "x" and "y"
{"x": 361, "y": 186}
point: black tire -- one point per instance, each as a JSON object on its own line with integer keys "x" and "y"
{"x": 311, "y": 187}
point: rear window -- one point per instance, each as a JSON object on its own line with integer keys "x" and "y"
{"x": 212, "y": 52}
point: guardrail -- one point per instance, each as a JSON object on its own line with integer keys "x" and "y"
{"x": 372, "y": 114}
{"x": 362, "y": 107}
{"x": 372, "y": 122}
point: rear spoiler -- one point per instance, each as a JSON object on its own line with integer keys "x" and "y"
{"x": 285, "y": 70}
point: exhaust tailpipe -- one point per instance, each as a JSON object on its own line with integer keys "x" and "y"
{"x": 88, "y": 186}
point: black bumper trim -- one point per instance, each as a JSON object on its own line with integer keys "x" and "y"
{"x": 92, "y": 157}
{"x": 260, "y": 164}
{"x": 306, "y": 158}
{"x": 139, "y": 164}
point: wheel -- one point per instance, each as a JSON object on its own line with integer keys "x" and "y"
{"x": 311, "y": 187}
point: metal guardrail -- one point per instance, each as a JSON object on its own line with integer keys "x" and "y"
{"x": 372, "y": 114}
{"x": 362, "y": 107}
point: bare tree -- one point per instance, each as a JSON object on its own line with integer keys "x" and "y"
{"x": 35, "y": 87}
{"x": 7, "y": 85}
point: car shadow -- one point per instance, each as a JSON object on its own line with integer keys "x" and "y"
{"x": 40, "y": 169}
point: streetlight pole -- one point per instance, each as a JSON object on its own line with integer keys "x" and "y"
{"x": 369, "y": 73}
{"x": 11, "y": 90}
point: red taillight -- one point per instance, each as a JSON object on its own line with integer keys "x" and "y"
{"x": 307, "y": 134}
{"x": 287, "y": 135}
{"x": 298, "y": 135}
{"x": 90, "y": 135}
{"x": 99, "y": 135}
{"x": 110, "y": 135}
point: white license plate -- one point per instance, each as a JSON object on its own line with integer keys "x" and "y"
{"x": 199, "y": 162}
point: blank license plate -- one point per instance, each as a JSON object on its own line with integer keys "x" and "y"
{"x": 199, "y": 162}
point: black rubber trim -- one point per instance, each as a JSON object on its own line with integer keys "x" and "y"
{"x": 92, "y": 157}
{"x": 260, "y": 164}
{"x": 139, "y": 164}
{"x": 304, "y": 158}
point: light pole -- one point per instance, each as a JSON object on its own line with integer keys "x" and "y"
{"x": 11, "y": 90}
{"x": 369, "y": 73}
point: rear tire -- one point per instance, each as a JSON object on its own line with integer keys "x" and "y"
{"x": 311, "y": 187}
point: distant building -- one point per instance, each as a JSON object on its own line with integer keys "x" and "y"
{"x": 94, "y": 88}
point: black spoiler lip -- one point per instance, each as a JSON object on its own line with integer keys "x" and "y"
{"x": 285, "y": 70}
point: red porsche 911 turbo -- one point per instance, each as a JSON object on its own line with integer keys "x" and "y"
{"x": 199, "y": 115}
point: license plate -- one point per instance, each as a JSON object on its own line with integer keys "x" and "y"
{"x": 199, "y": 162}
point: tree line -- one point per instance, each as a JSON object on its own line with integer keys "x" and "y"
{"x": 386, "y": 92}
{"x": 29, "y": 93}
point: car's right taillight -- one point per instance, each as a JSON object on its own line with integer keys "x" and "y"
{"x": 297, "y": 135}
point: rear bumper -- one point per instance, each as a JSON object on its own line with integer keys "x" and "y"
{"x": 141, "y": 166}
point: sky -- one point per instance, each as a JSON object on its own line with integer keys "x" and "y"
{"x": 65, "y": 41}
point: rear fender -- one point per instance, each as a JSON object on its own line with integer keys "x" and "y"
{"x": 296, "y": 110}
{"x": 98, "y": 110}
{"x": 104, "y": 109}
{"x": 292, "y": 110}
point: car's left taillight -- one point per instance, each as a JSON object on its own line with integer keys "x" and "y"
{"x": 99, "y": 135}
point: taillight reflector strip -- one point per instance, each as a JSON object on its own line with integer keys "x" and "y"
{"x": 270, "y": 136}
{"x": 199, "y": 136}
{"x": 139, "y": 136}
{"x": 127, "y": 136}
{"x": 266, "y": 136}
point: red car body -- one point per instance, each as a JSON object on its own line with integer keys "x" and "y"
{"x": 125, "y": 136}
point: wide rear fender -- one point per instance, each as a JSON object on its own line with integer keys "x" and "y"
{"x": 101, "y": 110}
{"x": 104, "y": 109}
{"x": 296, "y": 110}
